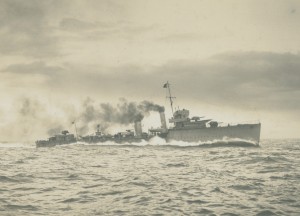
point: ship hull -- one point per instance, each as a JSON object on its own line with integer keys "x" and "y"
{"x": 94, "y": 140}
{"x": 115, "y": 140}
{"x": 249, "y": 132}
{"x": 46, "y": 143}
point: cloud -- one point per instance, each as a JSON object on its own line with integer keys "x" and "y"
{"x": 37, "y": 29}
{"x": 182, "y": 37}
{"x": 72, "y": 24}
{"x": 96, "y": 30}
{"x": 38, "y": 67}
{"x": 25, "y": 30}
{"x": 261, "y": 80}
{"x": 264, "y": 81}
{"x": 275, "y": 70}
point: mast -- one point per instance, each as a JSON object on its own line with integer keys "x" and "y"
{"x": 167, "y": 85}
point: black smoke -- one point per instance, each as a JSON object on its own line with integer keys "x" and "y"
{"x": 37, "y": 119}
{"x": 150, "y": 106}
{"x": 30, "y": 107}
{"x": 55, "y": 130}
{"x": 106, "y": 114}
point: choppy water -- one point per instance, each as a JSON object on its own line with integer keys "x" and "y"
{"x": 151, "y": 179}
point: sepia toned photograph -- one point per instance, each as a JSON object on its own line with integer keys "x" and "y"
{"x": 150, "y": 107}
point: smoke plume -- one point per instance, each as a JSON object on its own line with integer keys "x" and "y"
{"x": 127, "y": 112}
{"x": 34, "y": 118}
{"x": 55, "y": 130}
{"x": 106, "y": 114}
{"x": 150, "y": 106}
{"x": 30, "y": 118}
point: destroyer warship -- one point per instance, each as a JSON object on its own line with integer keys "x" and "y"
{"x": 194, "y": 129}
{"x": 59, "y": 139}
{"x": 126, "y": 137}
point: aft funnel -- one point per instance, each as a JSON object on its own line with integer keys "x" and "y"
{"x": 138, "y": 129}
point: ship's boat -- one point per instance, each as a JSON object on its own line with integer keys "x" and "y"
{"x": 59, "y": 139}
{"x": 196, "y": 129}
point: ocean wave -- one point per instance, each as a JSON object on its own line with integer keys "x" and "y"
{"x": 196, "y": 201}
{"x": 177, "y": 165}
{"x": 20, "y": 207}
{"x": 266, "y": 213}
{"x": 8, "y": 179}
{"x": 157, "y": 141}
{"x": 243, "y": 187}
{"x": 16, "y": 145}
{"x": 70, "y": 200}
{"x": 215, "y": 143}
{"x": 151, "y": 178}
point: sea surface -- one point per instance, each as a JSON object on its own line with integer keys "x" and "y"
{"x": 151, "y": 179}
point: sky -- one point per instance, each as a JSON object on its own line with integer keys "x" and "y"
{"x": 232, "y": 61}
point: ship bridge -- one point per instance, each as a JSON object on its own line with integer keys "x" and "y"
{"x": 180, "y": 116}
{"x": 181, "y": 120}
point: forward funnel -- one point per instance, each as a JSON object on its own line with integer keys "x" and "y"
{"x": 163, "y": 120}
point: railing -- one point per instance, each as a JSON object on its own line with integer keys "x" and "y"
{"x": 223, "y": 124}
